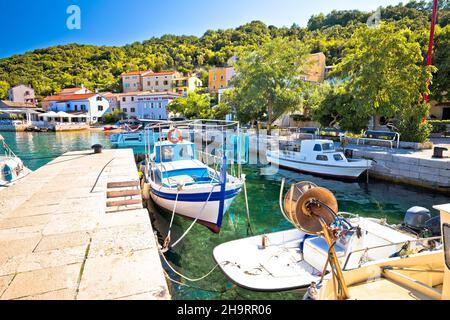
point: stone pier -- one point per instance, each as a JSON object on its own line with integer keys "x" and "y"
{"x": 76, "y": 229}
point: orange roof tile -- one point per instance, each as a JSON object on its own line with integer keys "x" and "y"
{"x": 70, "y": 97}
{"x": 135, "y": 73}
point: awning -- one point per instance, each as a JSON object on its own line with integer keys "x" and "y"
{"x": 20, "y": 111}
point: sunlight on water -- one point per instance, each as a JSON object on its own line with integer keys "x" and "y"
{"x": 193, "y": 257}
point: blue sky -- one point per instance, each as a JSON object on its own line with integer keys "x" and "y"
{"x": 27, "y": 25}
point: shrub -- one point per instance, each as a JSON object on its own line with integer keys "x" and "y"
{"x": 439, "y": 125}
{"x": 411, "y": 126}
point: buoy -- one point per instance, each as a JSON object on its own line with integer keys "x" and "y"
{"x": 7, "y": 172}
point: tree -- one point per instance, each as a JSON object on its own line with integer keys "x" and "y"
{"x": 4, "y": 87}
{"x": 268, "y": 80}
{"x": 383, "y": 71}
{"x": 440, "y": 88}
{"x": 193, "y": 106}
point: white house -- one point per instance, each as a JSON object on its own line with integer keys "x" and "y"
{"x": 22, "y": 93}
{"x": 89, "y": 106}
{"x": 147, "y": 105}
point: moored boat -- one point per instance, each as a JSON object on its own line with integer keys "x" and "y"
{"x": 424, "y": 276}
{"x": 318, "y": 157}
{"x": 293, "y": 259}
{"x": 183, "y": 185}
{"x": 12, "y": 168}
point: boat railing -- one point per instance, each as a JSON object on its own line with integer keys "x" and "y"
{"x": 362, "y": 254}
{"x": 8, "y": 152}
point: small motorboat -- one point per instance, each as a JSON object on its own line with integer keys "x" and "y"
{"x": 183, "y": 185}
{"x": 293, "y": 259}
{"x": 127, "y": 139}
{"x": 110, "y": 128}
{"x": 187, "y": 180}
{"x": 423, "y": 276}
{"x": 11, "y": 166}
{"x": 318, "y": 157}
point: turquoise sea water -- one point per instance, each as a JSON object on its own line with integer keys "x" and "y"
{"x": 193, "y": 257}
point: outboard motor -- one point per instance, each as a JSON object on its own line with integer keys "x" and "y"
{"x": 419, "y": 220}
{"x": 416, "y": 218}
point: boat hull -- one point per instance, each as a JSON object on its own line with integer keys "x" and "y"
{"x": 340, "y": 172}
{"x": 193, "y": 204}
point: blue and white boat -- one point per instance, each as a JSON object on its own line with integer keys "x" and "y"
{"x": 185, "y": 186}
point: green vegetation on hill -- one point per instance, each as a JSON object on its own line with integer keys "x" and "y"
{"x": 51, "y": 69}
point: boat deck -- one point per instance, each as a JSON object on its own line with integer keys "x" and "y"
{"x": 76, "y": 229}
{"x": 385, "y": 290}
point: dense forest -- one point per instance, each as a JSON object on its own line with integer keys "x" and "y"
{"x": 51, "y": 69}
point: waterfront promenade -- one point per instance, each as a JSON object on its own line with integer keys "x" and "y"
{"x": 76, "y": 229}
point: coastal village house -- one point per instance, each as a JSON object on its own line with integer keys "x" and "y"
{"x": 159, "y": 81}
{"x": 22, "y": 93}
{"x": 146, "y": 104}
{"x": 82, "y": 107}
{"x": 219, "y": 78}
{"x": 148, "y": 81}
{"x": 132, "y": 81}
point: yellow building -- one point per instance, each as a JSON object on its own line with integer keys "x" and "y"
{"x": 315, "y": 68}
{"x": 184, "y": 85}
{"x": 219, "y": 78}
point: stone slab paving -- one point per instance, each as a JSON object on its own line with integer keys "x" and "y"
{"x": 58, "y": 242}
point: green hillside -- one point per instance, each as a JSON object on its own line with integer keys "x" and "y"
{"x": 51, "y": 69}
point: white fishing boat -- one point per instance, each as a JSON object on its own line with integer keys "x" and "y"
{"x": 318, "y": 157}
{"x": 11, "y": 166}
{"x": 183, "y": 185}
{"x": 293, "y": 259}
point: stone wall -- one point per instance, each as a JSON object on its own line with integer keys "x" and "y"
{"x": 409, "y": 168}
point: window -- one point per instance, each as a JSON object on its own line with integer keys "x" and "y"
{"x": 338, "y": 157}
{"x": 317, "y": 147}
{"x": 132, "y": 98}
{"x": 132, "y": 110}
{"x": 148, "y": 83}
{"x": 124, "y": 99}
{"x": 68, "y": 106}
{"x": 156, "y": 83}
{"x": 221, "y": 77}
{"x": 83, "y": 107}
{"x": 160, "y": 105}
{"x": 124, "y": 109}
{"x": 160, "y": 117}
{"x": 327, "y": 146}
{"x": 75, "y": 107}
{"x": 166, "y": 82}
{"x": 151, "y": 105}
{"x": 100, "y": 108}
{"x": 214, "y": 78}
{"x": 321, "y": 157}
{"x": 134, "y": 84}
{"x": 127, "y": 85}
{"x": 99, "y": 98}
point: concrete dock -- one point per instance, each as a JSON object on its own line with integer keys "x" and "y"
{"x": 76, "y": 229}
{"x": 414, "y": 167}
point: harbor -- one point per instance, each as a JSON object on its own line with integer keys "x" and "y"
{"x": 193, "y": 257}
{"x": 65, "y": 235}
{"x": 297, "y": 157}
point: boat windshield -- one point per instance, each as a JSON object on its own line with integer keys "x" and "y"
{"x": 328, "y": 146}
{"x": 175, "y": 153}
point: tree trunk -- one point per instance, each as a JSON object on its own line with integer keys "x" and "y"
{"x": 269, "y": 118}
{"x": 376, "y": 122}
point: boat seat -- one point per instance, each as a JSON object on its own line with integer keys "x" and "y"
{"x": 315, "y": 252}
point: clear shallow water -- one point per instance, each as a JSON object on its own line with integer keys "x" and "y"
{"x": 193, "y": 257}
